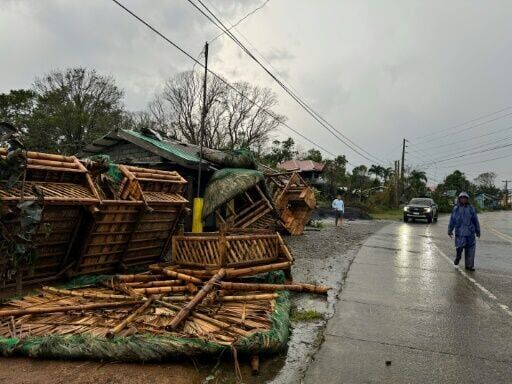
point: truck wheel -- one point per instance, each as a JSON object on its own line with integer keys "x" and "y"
{"x": 406, "y": 219}
{"x": 429, "y": 219}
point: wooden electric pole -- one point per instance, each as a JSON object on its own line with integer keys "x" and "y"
{"x": 203, "y": 118}
{"x": 402, "y": 171}
{"x": 506, "y": 192}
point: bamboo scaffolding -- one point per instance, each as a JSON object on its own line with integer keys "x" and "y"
{"x": 207, "y": 288}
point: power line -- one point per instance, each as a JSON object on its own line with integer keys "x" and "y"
{"x": 465, "y": 122}
{"x": 329, "y": 127}
{"x": 465, "y": 129}
{"x": 271, "y": 114}
{"x": 458, "y": 140}
{"x": 473, "y": 147}
{"x": 242, "y": 19}
{"x": 471, "y": 153}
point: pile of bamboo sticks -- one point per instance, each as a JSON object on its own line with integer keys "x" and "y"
{"x": 218, "y": 305}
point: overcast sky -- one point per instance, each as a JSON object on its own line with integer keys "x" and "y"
{"x": 378, "y": 71}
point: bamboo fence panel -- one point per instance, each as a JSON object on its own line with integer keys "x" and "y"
{"x": 228, "y": 249}
{"x": 66, "y": 190}
{"x": 293, "y": 199}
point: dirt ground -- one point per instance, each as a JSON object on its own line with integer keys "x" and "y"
{"x": 322, "y": 256}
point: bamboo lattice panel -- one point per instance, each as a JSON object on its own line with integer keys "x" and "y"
{"x": 294, "y": 200}
{"x": 136, "y": 229}
{"x": 215, "y": 250}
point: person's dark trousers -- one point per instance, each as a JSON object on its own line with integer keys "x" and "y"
{"x": 469, "y": 255}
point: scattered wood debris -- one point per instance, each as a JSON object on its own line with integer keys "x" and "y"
{"x": 208, "y": 304}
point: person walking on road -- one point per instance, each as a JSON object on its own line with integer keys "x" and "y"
{"x": 339, "y": 209}
{"x": 465, "y": 223}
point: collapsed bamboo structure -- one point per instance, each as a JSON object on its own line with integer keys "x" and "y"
{"x": 88, "y": 225}
{"x": 222, "y": 308}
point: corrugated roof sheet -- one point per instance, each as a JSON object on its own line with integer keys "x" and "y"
{"x": 187, "y": 152}
{"x": 301, "y": 165}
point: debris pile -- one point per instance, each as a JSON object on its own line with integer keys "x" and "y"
{"x": 223, "y": 306}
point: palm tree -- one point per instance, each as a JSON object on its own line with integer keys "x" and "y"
{"x": 387, "y": 173}
{"x": 376, "y": 170}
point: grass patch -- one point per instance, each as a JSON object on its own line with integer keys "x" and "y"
{"x": 309, "y": 315}
{"x": 387, "y": 214}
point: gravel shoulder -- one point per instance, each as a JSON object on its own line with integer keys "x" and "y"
{"x": 322, "y": 256}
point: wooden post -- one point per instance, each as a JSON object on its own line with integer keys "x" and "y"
{"x": 207, "y": 288}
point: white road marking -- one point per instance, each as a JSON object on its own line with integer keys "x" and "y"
{"x": 501, "y": 235}
{"x": 488, "y": 293}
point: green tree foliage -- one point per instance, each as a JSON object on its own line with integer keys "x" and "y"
{"x": 335, "y": 172}
{"x": 280, "y": 151}
{"x": 73, "y": 108}
{"x": 416, "y": 184}
{"x": 17, "y": 106}
{"x": 314, "y": 155}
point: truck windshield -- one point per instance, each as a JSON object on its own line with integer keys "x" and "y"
{"x": 421, "y": 201}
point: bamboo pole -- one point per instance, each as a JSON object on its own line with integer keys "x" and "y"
{"x": 182, "y": 276}
{"x": 263, "y": 296}
{"x": 207, "y": 288}
{"x": 258, "y": 269}
{"x": 92, "y": 295}
{"x": 158, "y": 283}
{"x": 138, "y": 278}
{"x": 221, "y": 324}
{"x": 310, "y": 288}
{"x": 156, "y": 290}
{"x": 122, "y": 325}
{"x": 65, "y": 308}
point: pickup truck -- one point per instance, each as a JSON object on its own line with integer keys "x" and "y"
{"x": 420, "y": 208}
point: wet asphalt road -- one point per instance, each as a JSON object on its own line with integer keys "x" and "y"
{"x": 408, "y": 315}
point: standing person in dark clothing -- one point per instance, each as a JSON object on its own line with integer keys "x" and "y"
{"x": 465, "y": 222}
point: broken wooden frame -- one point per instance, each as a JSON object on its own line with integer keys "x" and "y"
{"x": 293, "y": 199}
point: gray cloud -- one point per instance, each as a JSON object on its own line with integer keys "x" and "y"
{"x": 379, "y": 71}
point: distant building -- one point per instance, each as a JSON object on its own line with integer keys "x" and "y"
{"x": 311, "y": 171}
{"x": 486, "y": 201}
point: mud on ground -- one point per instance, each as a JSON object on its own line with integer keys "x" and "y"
{"x": 322, "y": 256}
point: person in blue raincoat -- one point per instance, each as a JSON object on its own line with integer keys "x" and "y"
{"x": 465, "y": 223}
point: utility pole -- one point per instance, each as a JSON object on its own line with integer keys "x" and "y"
{"x": 402, "y": 171}
{"x": 197, "y": 209}
{"x": 397, "y": 168}
{"x": 506, "y": 191}
{"x": 203, "y": 118}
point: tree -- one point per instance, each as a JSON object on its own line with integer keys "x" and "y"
{"x": 234, "y": 118}
{"x": 335, "y": 173}
{"x": 17, "y": 106}
{"x": 74, "y": 107}
{"x": 485, "y": 182}
{"x": 416, "y": 184}
{"x": 280, "y": 152}
{"x": 377, "y": 170}
{"x": 314, "y": 155}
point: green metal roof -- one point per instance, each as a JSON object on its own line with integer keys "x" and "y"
{"x": 183, "y": 151}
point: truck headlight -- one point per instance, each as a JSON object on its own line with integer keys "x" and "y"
{"x": 406, "y": 209}
{"x": 428, "y": 210}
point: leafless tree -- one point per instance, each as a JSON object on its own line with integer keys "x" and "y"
{"x": 234, "y": 119}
